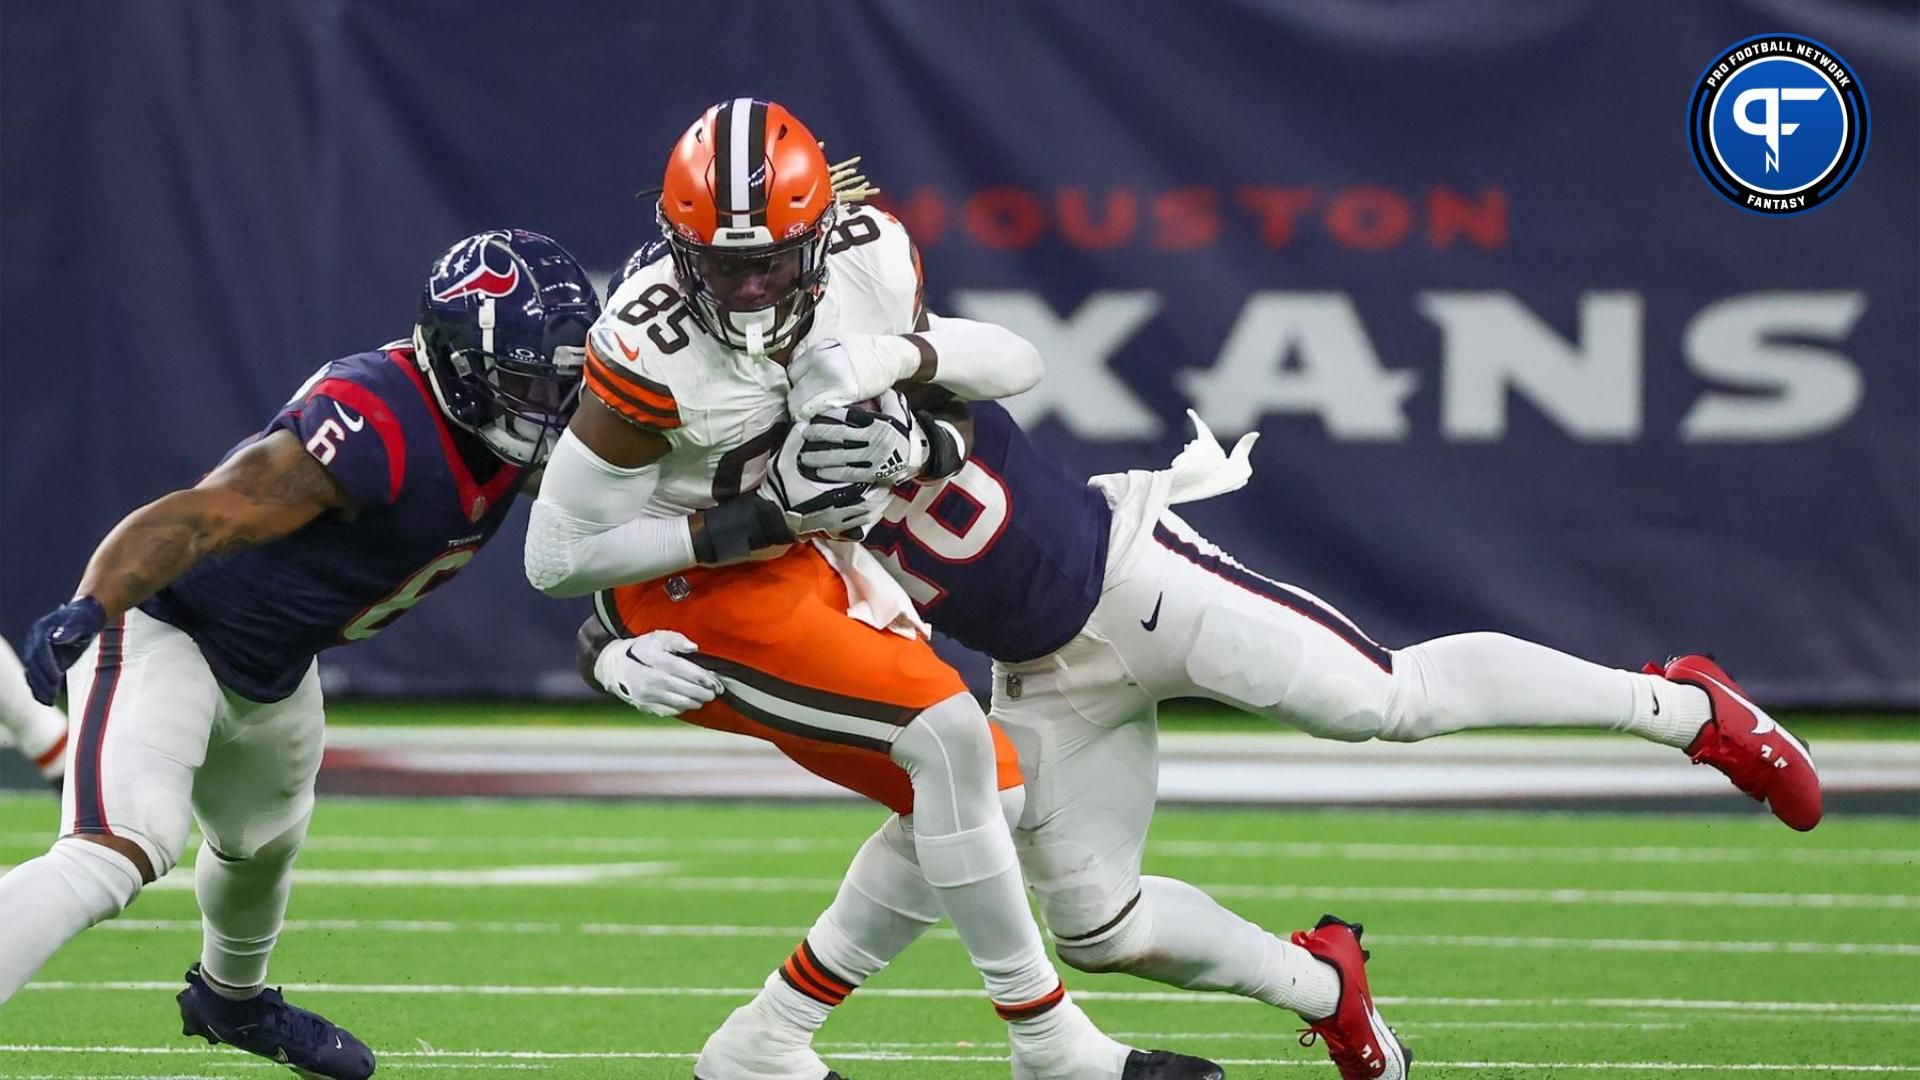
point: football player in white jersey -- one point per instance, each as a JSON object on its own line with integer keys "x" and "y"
{"x": 780, "y": 302}
{"x": 39, "y": 731}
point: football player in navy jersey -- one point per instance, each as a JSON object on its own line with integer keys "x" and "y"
{"x": 192, "y": 635}
{"x": 1096, "y": 602}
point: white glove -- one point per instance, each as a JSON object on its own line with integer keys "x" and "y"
{"x": 646, "y": 673}
{"x": 848, "y": 370}
{"x": 815, "y": 506}
{"x": 860, "y": 445}
{"x": 1202, "y": 469}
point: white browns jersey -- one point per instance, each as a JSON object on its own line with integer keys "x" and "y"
{"x": 722, "y": 412}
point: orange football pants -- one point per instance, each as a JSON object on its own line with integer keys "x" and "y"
{"x": 830, "y": 691}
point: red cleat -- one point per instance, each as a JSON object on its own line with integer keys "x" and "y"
{"x": 1761, "y": 758}
{"x": 1359, "y": 1042}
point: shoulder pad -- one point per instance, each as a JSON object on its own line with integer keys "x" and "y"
{"x": 616, "y": 374}
{"x": 871, "y": 251}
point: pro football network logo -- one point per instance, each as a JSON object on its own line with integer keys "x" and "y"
{"x": 1779, "y": 123}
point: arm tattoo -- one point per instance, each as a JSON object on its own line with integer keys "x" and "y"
{"x": 265, "y": 492}
{"x": 272, "y": 480}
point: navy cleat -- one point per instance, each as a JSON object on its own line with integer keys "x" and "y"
{"x": 311, "y": 1045}
{"x": 1166, "y": 1065}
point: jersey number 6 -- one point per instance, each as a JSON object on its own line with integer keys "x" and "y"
{"x": 424, "y": 580}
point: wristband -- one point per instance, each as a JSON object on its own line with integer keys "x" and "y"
{"x": 737, "y": 528}
{"x": 946, "y": 450}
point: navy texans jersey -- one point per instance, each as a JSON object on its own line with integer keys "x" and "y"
{"x": 421, "y": 513}
{"x": 1007, "y": 556}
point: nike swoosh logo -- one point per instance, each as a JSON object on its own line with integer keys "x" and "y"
{"x": 1153, "y": 620}
{"x": 632, "y": 354}
{"x": 1656, "y": 704}
{"x": 354, "y": 423}
{"x": 1762, "y": 723}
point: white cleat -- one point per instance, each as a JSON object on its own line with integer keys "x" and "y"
{"x": 750, "y": 1047}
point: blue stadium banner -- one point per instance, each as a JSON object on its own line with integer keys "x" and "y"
{"x": 1520, "y": 359}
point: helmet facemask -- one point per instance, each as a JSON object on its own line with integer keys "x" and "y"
{"x": 515, "y": 401}
{"x": 753, "y": 294}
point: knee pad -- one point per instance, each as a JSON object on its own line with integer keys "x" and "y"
{"x": 951, "y": 735}
{"x": 1116, "y": 947}
{"x": 276, "y": 850}
{"x": 105, "y": 880}
{"x": 966, "y": 857}
{"x": 948, "y": 753}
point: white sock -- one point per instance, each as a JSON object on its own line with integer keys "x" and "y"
{"x": 976, "y": 876}
{"x": 243, "y": 905}
{"x": 1483, "y": 680}
{"x": 884, "y": 904}
{"x": 1206, "y": 947}
{"x": 965, "y": 851}
{"x": 47, "y": 902}
{"x": 1062, "y": 1043}
{"x": 1178, "y": 935}
{"x": 1670, "y": 713}
{"x": 40, "y": 731}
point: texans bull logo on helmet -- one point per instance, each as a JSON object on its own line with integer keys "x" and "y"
{"x": 482, "y": 279}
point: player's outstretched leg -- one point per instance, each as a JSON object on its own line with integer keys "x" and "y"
{"x": 1236, "y": 636}
{"x": 39, "y": 731}
{"x": 967, "y": 856}
{"x": 266, "y": 1025}
{"x": 1492, "y": 680}
{"x": 1357, "y": 1039}
{"x": 884, "y": 905}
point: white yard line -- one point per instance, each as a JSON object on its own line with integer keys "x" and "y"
{"x": 658, "y": 875}
{"x": 1316, "y": 1062}
{"x": 1447, "y": 853}
{"x": 1527, "y": 853}
{"x": 1461, "y": 941}
{"x": 1900, "y": 1008}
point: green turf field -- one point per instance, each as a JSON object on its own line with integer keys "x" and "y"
{"x": 493, "y": 939}
{"x": 1188, "y": 715}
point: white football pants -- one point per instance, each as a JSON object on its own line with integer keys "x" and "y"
{"x": 1181, "y": 618}
{"x": 157, "y": 743}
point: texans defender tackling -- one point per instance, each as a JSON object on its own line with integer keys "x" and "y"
{"x": 194, "y": 630}
{"x": 779, "y": 300}
{"x": 39, "y": 731}
{"x": 1096, "y": 602}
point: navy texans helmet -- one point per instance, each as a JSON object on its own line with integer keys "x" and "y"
{"x": 643, "y": 256}
{"x": 502, "y": 339}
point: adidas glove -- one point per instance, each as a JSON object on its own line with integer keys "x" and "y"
{"x": 815, "y": 505}
{"x": 885, "y": 446}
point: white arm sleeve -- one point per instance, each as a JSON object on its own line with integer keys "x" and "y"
{"x": 981, "y": 361}
{"x": 589, "y": 528}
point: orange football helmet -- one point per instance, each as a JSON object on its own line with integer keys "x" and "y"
{"x": 746, "y": 207}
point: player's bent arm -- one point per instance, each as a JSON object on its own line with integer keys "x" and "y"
{"x": 976, "y": 360}
{"x": 590, "y": 530}
{"x": 266, "y": 491}
{"x": 649, "y": 672}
